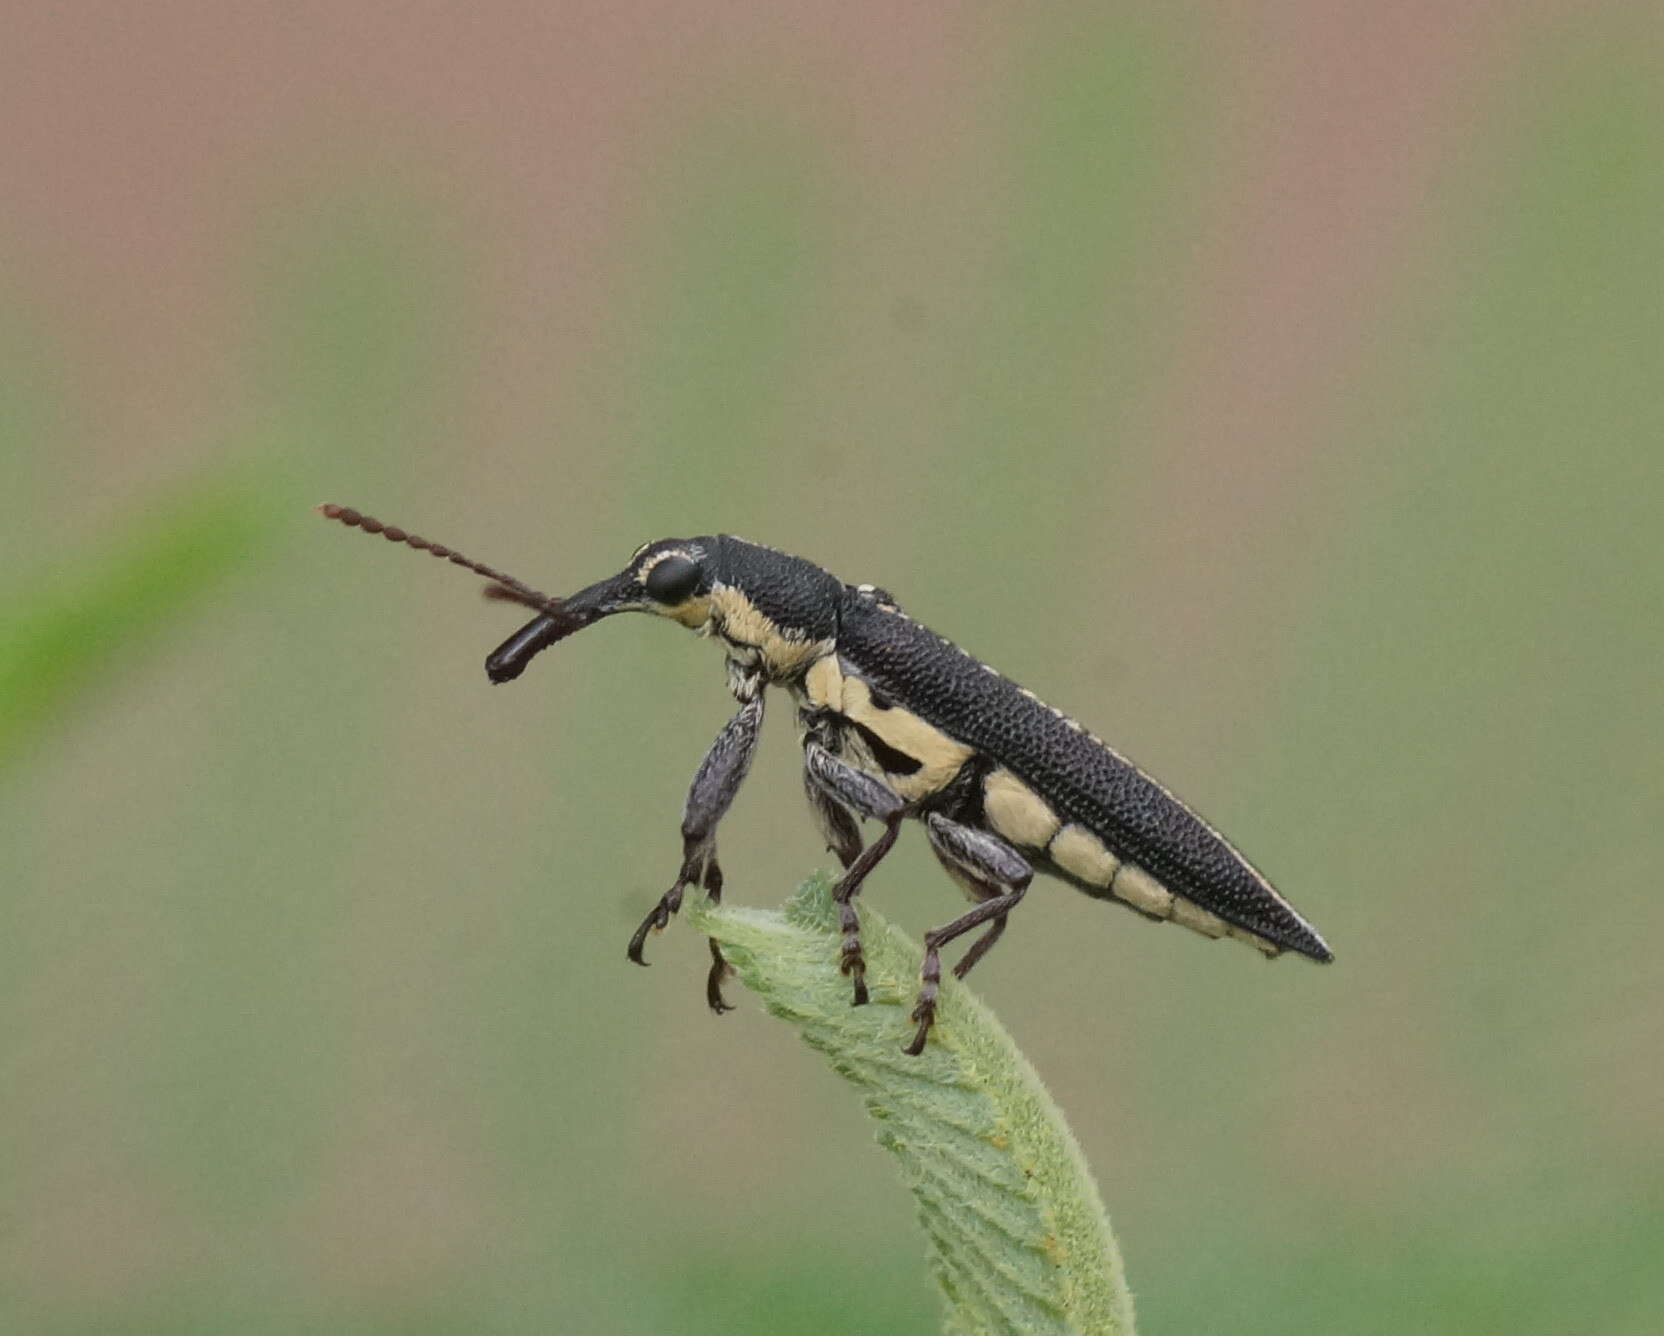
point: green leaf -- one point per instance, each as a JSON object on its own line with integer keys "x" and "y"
{"x": 80, "y": 626}
{"x": 1018, "y": 1237}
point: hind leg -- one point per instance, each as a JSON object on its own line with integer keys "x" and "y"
{"x": 996, "y": 875}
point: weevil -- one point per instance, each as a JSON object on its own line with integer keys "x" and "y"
{"x": 896, "y": 723}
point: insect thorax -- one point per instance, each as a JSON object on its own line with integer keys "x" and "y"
{"x": 774, "y": 614}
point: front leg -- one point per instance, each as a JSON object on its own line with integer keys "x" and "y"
{"x": 870, "y": 797}
{"x": 714, "y": 785}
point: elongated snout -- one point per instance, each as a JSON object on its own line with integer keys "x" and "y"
{"x": 587, "y": 606}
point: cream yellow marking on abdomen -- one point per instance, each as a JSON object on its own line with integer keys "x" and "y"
{"x": 1080, "y": 853}
{"x": 1017, "y": 812}
{"x": 1269, "y": 949}
{"x": 1142, "y": 891}
{"x": 1191, "y": 915}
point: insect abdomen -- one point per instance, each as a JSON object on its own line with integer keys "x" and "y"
{"x": 1114, "y": 823}
{"x": 1021, "y": 816}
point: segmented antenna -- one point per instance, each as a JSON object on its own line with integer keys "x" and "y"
{"x": 501, "y": 586}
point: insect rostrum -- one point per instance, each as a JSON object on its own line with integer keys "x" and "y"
{"x": 897, "y": 722}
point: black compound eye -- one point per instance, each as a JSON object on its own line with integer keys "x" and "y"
{"x": 672, "y": 579}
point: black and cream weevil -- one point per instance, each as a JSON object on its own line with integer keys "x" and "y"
{"x": 897, "y": 722}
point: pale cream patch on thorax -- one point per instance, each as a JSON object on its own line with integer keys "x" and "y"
{"x": 823, "y": 684}
{"x": 736, "y": 618}
{"x": 1080, "y": 853}
{"x": 1017, "y": 812}
{"x": 939, "y": 756}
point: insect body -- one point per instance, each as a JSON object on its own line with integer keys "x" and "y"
{"x": 898, "y": 723}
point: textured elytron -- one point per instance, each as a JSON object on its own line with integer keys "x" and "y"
{"x": 1083, "y": 779}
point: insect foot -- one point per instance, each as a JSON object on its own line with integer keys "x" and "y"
{"x": 720, "y": 970}
{"x": 699, "y": 868}
{"x": 852, "y": 961}
{"x": 930, "y": 980}
{"x": 658, "y": 917}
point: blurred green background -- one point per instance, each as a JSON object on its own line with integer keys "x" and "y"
{"x": 1280, "y": 389}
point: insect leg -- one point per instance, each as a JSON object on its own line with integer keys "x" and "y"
{"x": 869, "y": 797}
{"x": 719, "y": 967}
{"x": 714, "y": 785}
{"x": 998, "y": 875}
{"x": 977, "y": 891}
{"x": 836, "y": 824}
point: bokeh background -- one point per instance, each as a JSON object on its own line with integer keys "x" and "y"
{"x": 1278, "y": 388}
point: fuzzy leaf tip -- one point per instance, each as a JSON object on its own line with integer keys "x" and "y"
{"x": 1019, "y": 1241}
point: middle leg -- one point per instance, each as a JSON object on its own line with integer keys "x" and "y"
{"x": 854, "y": 790}
{"x": 836, "y": 823}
